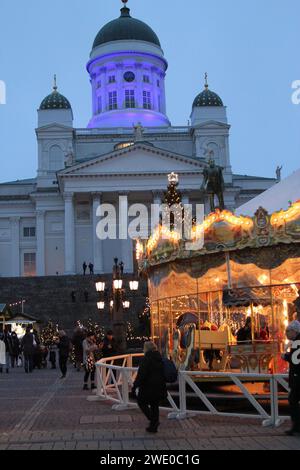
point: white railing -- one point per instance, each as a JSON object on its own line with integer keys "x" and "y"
{"x": 115, "y": 381}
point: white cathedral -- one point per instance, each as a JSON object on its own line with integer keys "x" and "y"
{"x": 48, "y": 223}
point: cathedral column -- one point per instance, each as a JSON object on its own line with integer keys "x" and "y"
{"x": 40, "y": 240}
{"x": 69, "y": 234}
{"x": 97, "y": 243}
{"x": 126, "y": 242}
{"x": 155, "y": 209}
{"x": 15, "y": 237}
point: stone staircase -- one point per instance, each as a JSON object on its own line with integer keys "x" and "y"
{"x": 49, "y": 298}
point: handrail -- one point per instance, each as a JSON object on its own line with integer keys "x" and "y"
{"x": 114, "y": 382}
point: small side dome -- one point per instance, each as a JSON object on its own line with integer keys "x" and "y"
{"x": 55, "y": 100}
{"x": 207, "y": 98}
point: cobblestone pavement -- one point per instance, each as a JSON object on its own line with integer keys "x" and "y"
{"x": 40, "y": 411}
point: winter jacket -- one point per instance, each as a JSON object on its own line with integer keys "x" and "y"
{"x": 64, "y": 346}
{"x": 2, "y": 353}
{"x": 89, "y": 348}
{"x": 28, "y": 344}
{"x": 151, "y": 378}
{"x": 8, "y": 343}
{"x": 109, "y": 347}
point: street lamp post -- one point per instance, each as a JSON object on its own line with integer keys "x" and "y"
{"x": 119, "y": 326}
{"x": 117, "y": 302}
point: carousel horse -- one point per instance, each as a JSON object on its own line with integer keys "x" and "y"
{"x": 184, "y": 357}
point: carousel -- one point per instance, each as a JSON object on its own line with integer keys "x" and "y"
{"x": 226, "y": 305}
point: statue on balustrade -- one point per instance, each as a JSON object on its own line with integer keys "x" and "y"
{"x": 213, "y": 184}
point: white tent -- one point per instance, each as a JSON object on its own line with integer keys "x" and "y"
{"x": 275, "y": 198}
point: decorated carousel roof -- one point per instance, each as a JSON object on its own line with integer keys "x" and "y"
{"x": 222, "y": 231}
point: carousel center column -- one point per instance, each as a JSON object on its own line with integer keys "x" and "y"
{"x": 97, "y": 243}
{"x": 69, "y": 234}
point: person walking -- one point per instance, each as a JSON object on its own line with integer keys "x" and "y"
{"x": 293, "y": 358}
{"x": 15, "y": 349}
{"x": 150, "y": 385}
{"x": 28, "y": 345}
{"x": 89, "y": 348}
{"x": 84, "y": 268}
{"x": 2, "y": 353}
{"x": 64, "y": 351}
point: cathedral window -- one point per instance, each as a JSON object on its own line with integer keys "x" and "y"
{"x": 129, "y": 99}
{"x": 29, "y": 232}
{"x": 112, "y": 100}
{"x": 147, "y": 100}
{"x": 29, "y": 264}
{"x": 112, "y": 79}
{"x": 146, "y": 79}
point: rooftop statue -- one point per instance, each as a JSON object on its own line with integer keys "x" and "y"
{"x": 213, "y": 184}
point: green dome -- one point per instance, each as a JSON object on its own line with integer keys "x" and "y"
{"x": 125, "y": 28}
{"x": 207, "y": 98}
{"x": 55, "y": 101}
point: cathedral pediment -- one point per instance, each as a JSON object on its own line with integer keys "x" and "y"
{"x": 52, "y": 128}
{"x": 137, "y": 159}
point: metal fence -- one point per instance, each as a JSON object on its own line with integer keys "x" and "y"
{"x": 114, "y": 383}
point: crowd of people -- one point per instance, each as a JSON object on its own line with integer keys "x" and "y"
{"x": 29, "y": 351}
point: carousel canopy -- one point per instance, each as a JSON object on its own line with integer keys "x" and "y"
{"x": 276, "y": 198}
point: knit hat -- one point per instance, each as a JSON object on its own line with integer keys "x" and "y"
{"x": 294, "y": 326}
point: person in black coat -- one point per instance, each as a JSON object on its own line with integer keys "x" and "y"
{"x": 64, "y": 351}
{"x": 15, "y": 349}
{"x": 293, "y": 357}
{"x": 109, "y": 347}
{"x": 151, "y": 385}
{"x": 28, "y": 345}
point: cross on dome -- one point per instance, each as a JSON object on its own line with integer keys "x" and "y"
{"x": 206, "y": 80}
{"x": 55, "y": 84}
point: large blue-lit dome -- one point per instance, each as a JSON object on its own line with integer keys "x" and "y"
{"x": 126, "y": 28}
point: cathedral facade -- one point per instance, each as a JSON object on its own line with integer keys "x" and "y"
{"x": 129, "y": 147}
